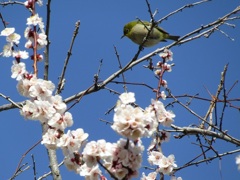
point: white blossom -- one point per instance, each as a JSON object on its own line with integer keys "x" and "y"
{"x": 127, "y": 98}
{"x": 42, "y": 40}
{"x": 90, "y": 173}
{"x": 50, "y": 139}
{"x": 20, "y": 54}
{"x": 41, "y": 89}
{"x": 18, "y": 70}
{"x": 7, "y": 31}
{"x": 13, "y": 38}
{"x": 34, "y": 20}
{"x": 155, "y": 157}
{"x": 163, "y": 116}
{"x": 150, "y": 176}
{"x": 167, "y": 55}
{"x": 30, "y": 110}
{"x": 238, "y": 161}
{"x": 126, "y": 162}
{"x": 58, "y": 104}
{"x": 72, "y": 141}
{"x": 61, "y": 122}
{"x": 7, "y": 50}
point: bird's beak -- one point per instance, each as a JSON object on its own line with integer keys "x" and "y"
{"x": 122, "y": 36}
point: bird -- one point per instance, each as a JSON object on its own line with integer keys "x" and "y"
{"x": 137, "y": 30}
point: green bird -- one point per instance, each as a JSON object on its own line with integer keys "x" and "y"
{"x": 138, "y": 30}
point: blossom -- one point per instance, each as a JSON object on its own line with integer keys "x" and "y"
{"x": 157, "y": 72}
{"x": 24, "y": 85}
{"x": 29, "y": 110}
{"x": 7, "y": 31}
{"x": 28, "y": 33}
{"x": 50, "y": 139}
{"x": 163, "y": 95}
{"x": 163, "y": 116}
{"x": 155, "y": 157}
{"x": 45, "y": 110}
{"x": 167, "y": 67}
{"x": 72, "y": 141}
{"x": 72, "y": 163}
{"x": 126, "y": 161}
{"x": 13, "y": 38}
{"x": 41, "y": 89}
{"x": 133, "y": 122}
{"x": 28, "y": 44}
{"x": 7, "y": 50}
{"x": 61, "y": 122}
{"x": 238, "y": 161}
{"x": 58, "y": 104}
{"x": 127, "y": 98}
{"x": 128, "y": 121}
{"x": 42, "y": 40}
{"x": 34, "y": 20}
{"x": 167, "y": 55}
{"x": 150, "y": 176}
{"x": 165, "y": 164}
{"x": 90, "y": 173}
{"x": 39, "y": 2}
{"x": 95, "y": 149}
{"x": 18, "y": 69}
{"x": 20, "y": 54}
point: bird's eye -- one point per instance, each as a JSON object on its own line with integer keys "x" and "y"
{"x": 126, "y": 31}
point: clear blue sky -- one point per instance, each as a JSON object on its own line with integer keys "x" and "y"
{"x": 198, "y": 64}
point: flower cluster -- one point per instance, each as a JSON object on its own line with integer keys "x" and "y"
{"x": 127, "y": 158}
{"x": 30, "y": 34}
{"x": 12, "y": 39}
{"x": 165, "y": 164}
{"x": 42, "y": 105}
{"x": 121, "y": 159}
{"x": 134, "y": 123}
{"x": 163, "y": 66}
{"x": 160, "y": 113}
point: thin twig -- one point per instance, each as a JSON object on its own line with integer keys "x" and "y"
{"x": 23, "y": 156}
{"x": 47, "y": 49}
{"x": 215, "y": 98}
{"x": 11, "y": 101}
{"x": 181, "y": 9}
{"x": 11, "y": 3}
{"x": 61, "y": 82}
{"x": 208, "y": 159}
{"x": 120, "y": 66}
{"x": 50, "y": 172}
{"x": 34, "y": 168}
{"x": 20, "y": 170}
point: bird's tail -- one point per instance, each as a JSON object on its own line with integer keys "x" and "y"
{"x": 174, "y": 38}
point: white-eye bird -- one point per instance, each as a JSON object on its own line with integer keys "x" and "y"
{"x": 138, "y": 30}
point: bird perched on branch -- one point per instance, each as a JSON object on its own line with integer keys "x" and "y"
{"x": 138, "y": 30}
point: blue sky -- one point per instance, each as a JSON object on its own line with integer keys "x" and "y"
{"x": 198, "y": 65}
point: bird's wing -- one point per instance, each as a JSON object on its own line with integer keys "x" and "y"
{"x": 157, "y": 27}
{"x": 162, "y": 30}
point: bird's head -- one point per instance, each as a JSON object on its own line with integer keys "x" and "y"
{"x": 128, "y": 27}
